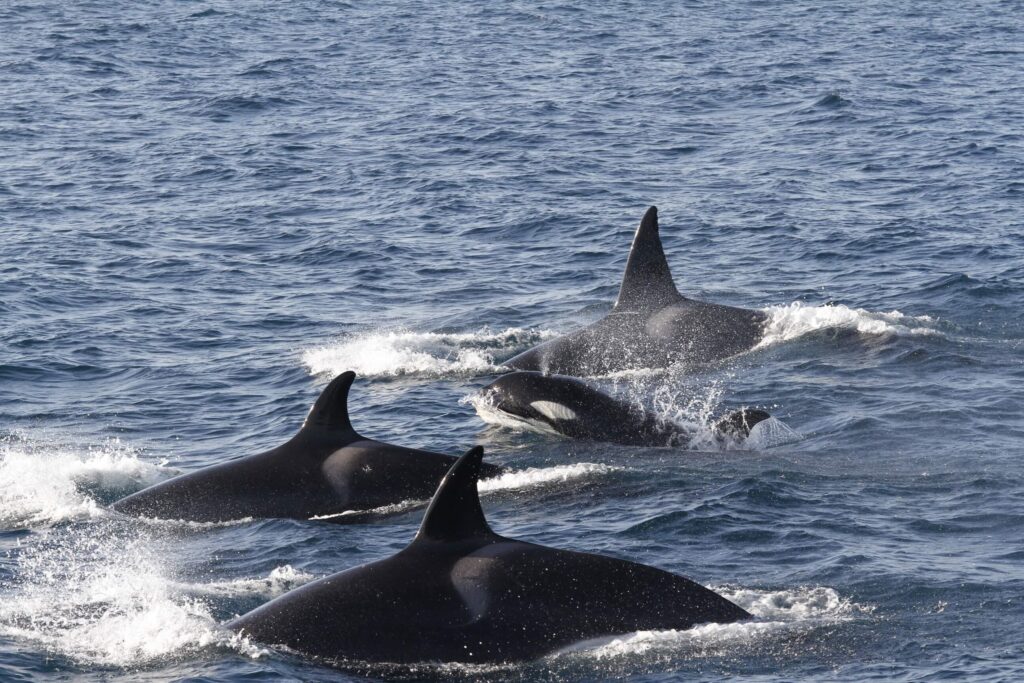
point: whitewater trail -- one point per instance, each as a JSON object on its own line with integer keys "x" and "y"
{"x": 774, "y": 613}
{"x": 44, "y": 482}
{"x": 792, "y": 321}
{"x": 421, "y": 354}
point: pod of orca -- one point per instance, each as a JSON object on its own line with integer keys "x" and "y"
{"x": 459, "y": 592}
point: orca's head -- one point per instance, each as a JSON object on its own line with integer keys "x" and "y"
{"x": 536, "y": 397}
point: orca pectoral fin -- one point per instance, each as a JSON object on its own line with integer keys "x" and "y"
{"x": 454, "y": 513}
{"x": 647, "y": 282}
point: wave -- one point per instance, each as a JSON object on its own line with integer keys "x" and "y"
{"x": 104, "y": 598}
{"x": 423, "y": 354}
{"x": 542, "y": 476}
{"x": 279, "y": 581}
{"x": 774, "y": 613}
{"x": 790, "y": 321}
{"x": 44, "y": 483}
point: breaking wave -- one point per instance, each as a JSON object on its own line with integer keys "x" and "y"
{"x": 790, "y": 321}
{"x": 43, "y": 483}
{"x": 774, "y": 612}
{"x": 279, "y": 581}
{"x": 424, "y": 354}
{"x": 105, "y": 598}
{"x": 542, "y": 476}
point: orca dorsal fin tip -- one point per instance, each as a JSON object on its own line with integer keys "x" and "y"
{"x": 647, "y": 281}
{"x": 331, "y": 408}
{"x": 454, "y": 512}
{"x": 650, "y": 219}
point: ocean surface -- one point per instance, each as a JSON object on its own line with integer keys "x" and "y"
{"x": 209, "y": 208}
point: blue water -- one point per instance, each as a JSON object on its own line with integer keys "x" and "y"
{"x": 209, "y": 208}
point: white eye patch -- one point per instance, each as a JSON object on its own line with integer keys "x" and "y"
{"x": 553, "y": 411}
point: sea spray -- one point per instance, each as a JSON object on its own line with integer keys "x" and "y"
{"x": 44, "y": 482}
{"x": 423, "y": 354}
{"x": 790, "y": 321}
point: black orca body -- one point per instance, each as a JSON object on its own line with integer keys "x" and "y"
{"x": 651, "y": 326}
{"x": 573, "y": 408}
{"x": 326, "y": 469}
{"x": 461, "y": 593}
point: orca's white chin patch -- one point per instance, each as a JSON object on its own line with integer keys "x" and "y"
{"x": 554, "y": 411}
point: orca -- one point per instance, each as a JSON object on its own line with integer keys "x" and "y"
{"x": 651, "y": 326}
{"x": 460, "y": 593}
{"x": 575, "y": 409}
{"x": 326, "y": 470}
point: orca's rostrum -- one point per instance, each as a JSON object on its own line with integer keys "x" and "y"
{"x": 461, "y": 593}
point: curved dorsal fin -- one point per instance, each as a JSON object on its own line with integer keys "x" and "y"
{"x": 647, "y": 282}
{"x": 454, "y": 513}
{"x": 331, "y": 410}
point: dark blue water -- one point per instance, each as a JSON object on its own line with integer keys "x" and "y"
{"x": 208, "y": 208}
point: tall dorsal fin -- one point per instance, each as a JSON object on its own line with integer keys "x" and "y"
{"x": 331, "y": 410}
{"x": 454, "y": 513}
{"x": 647, "y": 282}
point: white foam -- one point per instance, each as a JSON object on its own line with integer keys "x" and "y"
{"x": 280, "y": 580}
{"x": 819, "y": 604}
{"x": 427, "y": 354}
{"x": 542, "y": 476}
{"x": 774, "y": 612}
{"x": 104, "y": 598}
{"x": 787, "y": 322}
{"x": 44, "y": 483}
{"x": 193, "y": 525}
{"x": 392, "y": 509}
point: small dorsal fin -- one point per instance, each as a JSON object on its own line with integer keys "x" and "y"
{"x": 647, "y": 282}
{"x": 454, "y": 513}
{"x": 331, "y": 410}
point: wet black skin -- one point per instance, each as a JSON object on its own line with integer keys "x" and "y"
{"x": 651, "y": 326}
{"x": 598, "y": 416}
{"x": 325, "y": 469}
{"x": 461, "y": 593}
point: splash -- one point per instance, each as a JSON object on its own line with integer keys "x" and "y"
{"x": 543, "y": 476}
{"x": 43, "y": 483}
{"x": 787, "y": 322}
{"x": 775, "y": 613}
{"x": 279, "y": 581}
{"x": 424, "y": 354}
{"x": 104, "y": 598}
{"x": 358, "y": 515}
{"x": 771, "y": 433}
